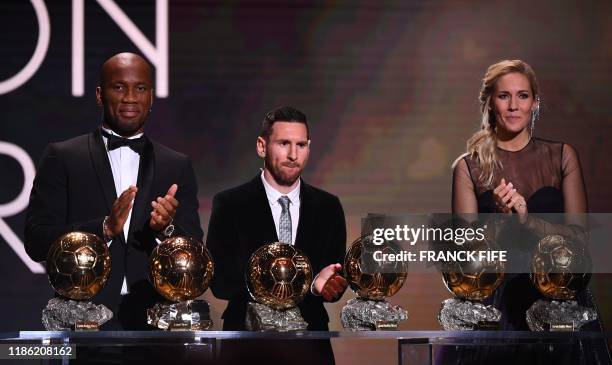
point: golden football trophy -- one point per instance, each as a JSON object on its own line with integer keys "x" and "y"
{"x": 180, "y": 269}
{"x": 372, "y": 281}
{"x": 278, "y": 277}
{"x": 471, "y": 282}
{"x": 560, "y": 270}
{"x": 78, "y": 266}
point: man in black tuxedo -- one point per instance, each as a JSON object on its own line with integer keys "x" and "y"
{"x": 120, "y": 185}
{"x": 277, "y": 205}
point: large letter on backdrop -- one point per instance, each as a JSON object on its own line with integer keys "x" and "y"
{"x": 19, "y": 204}
{"x": 44, "y": 33}
{"x": 157, "y": 56}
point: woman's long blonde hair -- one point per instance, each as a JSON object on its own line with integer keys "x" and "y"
{"x": 483, "y": 144}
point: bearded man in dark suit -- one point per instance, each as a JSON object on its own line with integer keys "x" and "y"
{"x": 277, "y": 205}
{"x": 118, "y": 184}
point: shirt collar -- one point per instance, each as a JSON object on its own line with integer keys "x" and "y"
{"x": 111, "y": 132}
{"x": 273, "y": 194}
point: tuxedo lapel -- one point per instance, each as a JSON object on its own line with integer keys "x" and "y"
{"x": 146, "y": 174}
{"x": 306, "y": 225}
{"x": 262, "y": 213}
{"x": 101, "y": 164}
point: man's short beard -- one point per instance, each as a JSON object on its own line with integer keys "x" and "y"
{"x": 115, "y": 126}
{"x": 280, "y": 180}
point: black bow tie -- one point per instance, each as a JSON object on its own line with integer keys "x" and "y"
{"x": 136, "y": 144}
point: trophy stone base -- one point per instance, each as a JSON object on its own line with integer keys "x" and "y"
{"x": 563, "y": 315}
{"x": 188, "y": 315}
{"x": 62, "y": 314}
{"x": 260, "y": 317}
{"x": 464, "y": 315}
{"x": 361, "y": 314}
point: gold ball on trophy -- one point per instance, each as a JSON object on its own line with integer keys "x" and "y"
{"x": 560, "y": 268}
{"x": 180, "y": 268}
{"x": 474, "y": 280}
{"x": 380, "y": 280}
{"x": 78, "y": 265}
{"x": 278, "y": 275}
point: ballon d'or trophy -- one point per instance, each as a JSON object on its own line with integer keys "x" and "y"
{"x": 180, "y": 269}
{"x": 372, "y": 281}
{"x": 78, "y": 266}
{"x": 560, "y": 270}
{"x": 471, "y": 282}
{"x": 278, "y": 277}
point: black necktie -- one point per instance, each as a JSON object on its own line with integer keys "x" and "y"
{"x": 136, "y": 144}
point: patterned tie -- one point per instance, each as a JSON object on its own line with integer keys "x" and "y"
{"x": 284, "y": 226}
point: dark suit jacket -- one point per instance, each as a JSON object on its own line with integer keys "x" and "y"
{"x": 241, "y": 221}
{"x": 74, "y": 191}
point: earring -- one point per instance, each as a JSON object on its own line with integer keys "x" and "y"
{"x": 534, "y": 116}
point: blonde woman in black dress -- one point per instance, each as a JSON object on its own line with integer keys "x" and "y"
{"x": 507, "y": 170}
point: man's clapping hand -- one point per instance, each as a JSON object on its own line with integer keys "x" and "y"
{"x": 329, "y": 284}
{"x": 164, "y": 209}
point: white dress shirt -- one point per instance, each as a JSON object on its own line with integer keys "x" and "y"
{"x": 294, "y": 209}
{"x": 294, "y": 206}
{"x": 124, "y": 165}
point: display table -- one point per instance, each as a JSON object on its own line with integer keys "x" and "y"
{"x": 414, "y": 347}
{"x": 501, "y": 347}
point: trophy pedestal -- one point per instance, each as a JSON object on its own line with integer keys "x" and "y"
{"x": 65, "y": 314}
{"x": 464, "y": 315}
{"x": 188, "y": 315}
{"x": 563, "y": 315}
{"x": 260, "y": 317}
{"x": 369, "y": 315}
